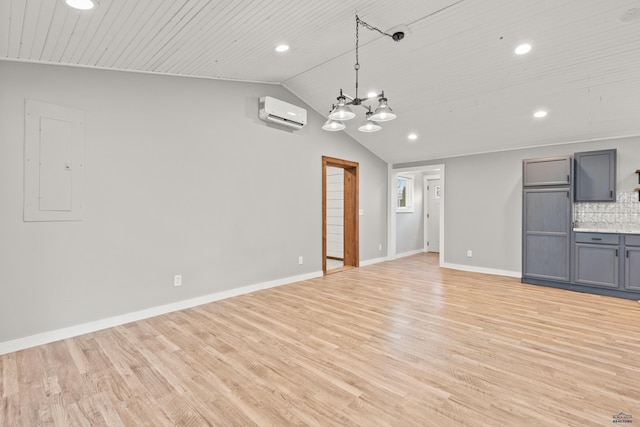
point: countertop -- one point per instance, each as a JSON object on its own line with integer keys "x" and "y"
{"x": 605, "y": 229}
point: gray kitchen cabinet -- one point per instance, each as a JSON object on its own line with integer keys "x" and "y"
{"x": 546, "y": 171}
{"x": 632, "y": 263}
{"x": 597, "y": 261}
{"x": 546, "y": 233}
{"x": 595, "y": 176}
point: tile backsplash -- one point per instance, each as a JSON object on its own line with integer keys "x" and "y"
{"x": 623, "y": 213}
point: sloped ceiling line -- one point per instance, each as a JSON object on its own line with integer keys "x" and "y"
{"x": 454, "y": 80}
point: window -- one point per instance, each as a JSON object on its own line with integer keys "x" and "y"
{"x": 404, "y": 194}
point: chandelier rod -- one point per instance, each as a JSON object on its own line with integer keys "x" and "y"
{"x": 357, "y": 64}
{"x": 357, "y": 100}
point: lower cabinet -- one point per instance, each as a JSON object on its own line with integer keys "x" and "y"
{"x": 607, "y": 261}
{"x": 632, "y": 263}
{"x": 597, "y": 261}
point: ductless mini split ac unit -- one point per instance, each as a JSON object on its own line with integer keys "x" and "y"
{"x": 276, "y": 111}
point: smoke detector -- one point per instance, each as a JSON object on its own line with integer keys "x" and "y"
{"x": 631, "y": 15}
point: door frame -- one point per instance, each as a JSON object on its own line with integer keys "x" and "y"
{"x": 392, "y": 175}
{"x": 351, "y": 234}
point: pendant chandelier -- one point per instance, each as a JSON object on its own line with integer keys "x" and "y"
{"x": 342, "y": 110}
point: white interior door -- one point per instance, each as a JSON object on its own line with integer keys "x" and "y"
{"x": 433, "y": 190}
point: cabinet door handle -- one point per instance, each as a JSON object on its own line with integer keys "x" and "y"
{"x": 596, "y": 238}
{"x": 627, "y": 253}
{"x": 611, "y": 194}
{"x": 616, "y": 253}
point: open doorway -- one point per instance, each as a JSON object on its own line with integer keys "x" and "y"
{"x": 340, "y": 235}
{"x": 420, "y": 173}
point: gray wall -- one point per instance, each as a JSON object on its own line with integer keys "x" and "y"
{"x": 181, "y": 177}
{"x": 410, "y": 225}
{"x": 483, "y": 200}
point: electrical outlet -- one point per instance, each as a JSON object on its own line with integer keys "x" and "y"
{"x": 177, "y": 280}
{"x": 300, "y": 260}
{"x": 469, "y": 253}
{"x": 380, "y": 247}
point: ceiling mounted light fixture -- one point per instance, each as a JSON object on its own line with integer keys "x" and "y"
{"x": 82, "y": 4}
{"x": 342, "y": 111}
{"x": 523, "y": 49}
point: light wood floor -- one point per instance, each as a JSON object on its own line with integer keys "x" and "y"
{"x": 399, "y": 343}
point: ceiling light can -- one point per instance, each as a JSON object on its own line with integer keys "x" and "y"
{"x": 523, "y": 49}
{"x": 81, "y": 4}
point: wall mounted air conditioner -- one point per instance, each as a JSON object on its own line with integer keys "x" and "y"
{"x": 276, "y": 111}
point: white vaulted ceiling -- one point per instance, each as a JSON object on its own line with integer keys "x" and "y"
{"x": 454, "y": 80}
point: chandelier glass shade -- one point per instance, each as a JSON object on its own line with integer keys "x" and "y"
{"x": 383, "y": 113}
{"x": 342, "y": 111}
{"x": 369, "y": 125}
{"x": 333, "y": 125}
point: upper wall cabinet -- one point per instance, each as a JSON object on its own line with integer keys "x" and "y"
{"x": 547, "y": 171}
{"x": 596, "y": 176}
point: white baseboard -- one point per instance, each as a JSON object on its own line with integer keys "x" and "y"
{"x": 405, "y": 254}
{"x": 373, "y": 261}
{"x": 475, "y": 269}
{"x": 85, "y": 328}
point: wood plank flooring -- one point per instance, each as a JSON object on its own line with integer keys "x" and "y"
{"x": 401, "y": 343}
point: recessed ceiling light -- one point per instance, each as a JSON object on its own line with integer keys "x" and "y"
{"x": 81, "y": 4}
{"x": 282, "y": 48}
{"x": 412, "y": 136}
{"x": 523, "y": 49}
{"x": 540, "y": 114}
